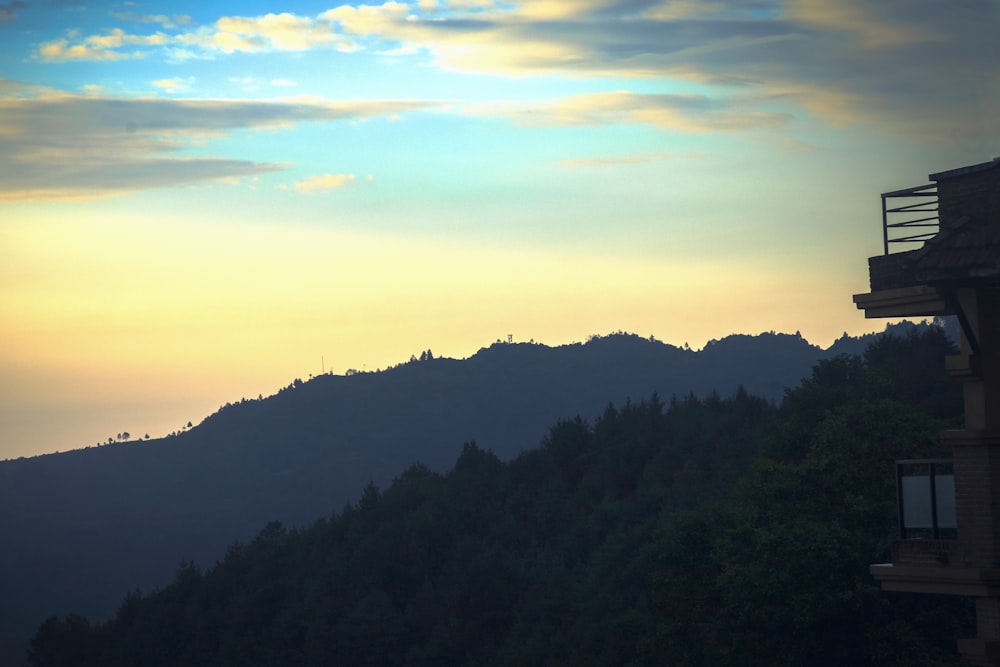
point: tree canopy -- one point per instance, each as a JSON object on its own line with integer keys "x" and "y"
{"x": 691, "y": 532}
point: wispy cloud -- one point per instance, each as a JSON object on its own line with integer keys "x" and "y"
{"x": 282, "y": 32}
{"x": 8, "y": 11}
{"x": 246, "y": 83}
{"x": 680, "y": 113}
{"x": 632, "y": 158}
{"x": 229, "y": 34}
{"x": 324, "y": 183}
{"x": 174, "y": 85}
{"x": 923, "y": 68}
{"x": 167, "y": 22}
{"x": 56, "y": 145}
{"x": 942, "y": 60}
{"x": 114, "y": 45}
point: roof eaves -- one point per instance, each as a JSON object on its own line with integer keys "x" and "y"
{"x": 962, "y": 171}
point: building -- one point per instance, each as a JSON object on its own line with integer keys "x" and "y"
{"x": 947, "y": 234}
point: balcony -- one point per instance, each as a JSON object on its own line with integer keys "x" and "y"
{"x": 909, "y": 217}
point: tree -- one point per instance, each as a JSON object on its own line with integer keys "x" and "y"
{"x": 804, "y": 529}
{"x": 661, "y": 534}
{"x": 70, "y": 641}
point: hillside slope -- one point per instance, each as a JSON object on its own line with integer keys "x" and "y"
{"x": 644, "y": 538}
{"x": 86, "y": 526}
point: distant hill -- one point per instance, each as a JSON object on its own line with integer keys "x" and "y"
{"x": 82, "y": 528}
{"x": 680, "y": 532}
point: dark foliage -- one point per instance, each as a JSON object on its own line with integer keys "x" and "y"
{"x": 91, "y": 524}
{"x": 707, "y": 531}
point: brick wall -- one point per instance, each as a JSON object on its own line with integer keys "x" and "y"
{"x": 887, "y": 271}
{"x": 975, "y": 195}
{"x": 977, "y": 478}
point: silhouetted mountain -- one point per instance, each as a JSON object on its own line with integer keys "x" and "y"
{"x": 646, "y": 538}
{"x": 83, "y": 527}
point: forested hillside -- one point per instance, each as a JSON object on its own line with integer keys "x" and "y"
{"x": 694, "y": 531}
{"x": 91, "y": 524}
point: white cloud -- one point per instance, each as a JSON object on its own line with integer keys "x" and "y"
{"x": 174, "y": 85}
{"x": 99, "y": 47}
{"x": 282, "y": 82}
{"x": 61, "y": 49}
{"x": 271, "y": 32}
{"x": 918, "y": 67}
{"x": 385, "y": 19}
{"x": 229, "y": 34}
{"x": 285, "y": 32}
{"x": 324, "y": 183}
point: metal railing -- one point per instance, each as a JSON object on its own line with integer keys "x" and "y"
{"x": 925, "y": 497}
{"x": 898, "y": 222}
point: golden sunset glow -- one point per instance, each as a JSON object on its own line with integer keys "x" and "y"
{"x": 203, "y": 202}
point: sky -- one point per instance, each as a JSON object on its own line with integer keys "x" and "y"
{"x": 201, "y": 202}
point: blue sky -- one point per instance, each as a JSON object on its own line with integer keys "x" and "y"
{"x": 202, "y": 201}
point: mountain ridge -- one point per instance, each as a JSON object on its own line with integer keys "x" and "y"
{"x": 127, "y": 513}
{"x": 675, "y": 532}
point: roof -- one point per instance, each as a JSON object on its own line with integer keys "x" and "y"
{"x": 969, "y": 250}
{"x": 962, "y": 171}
